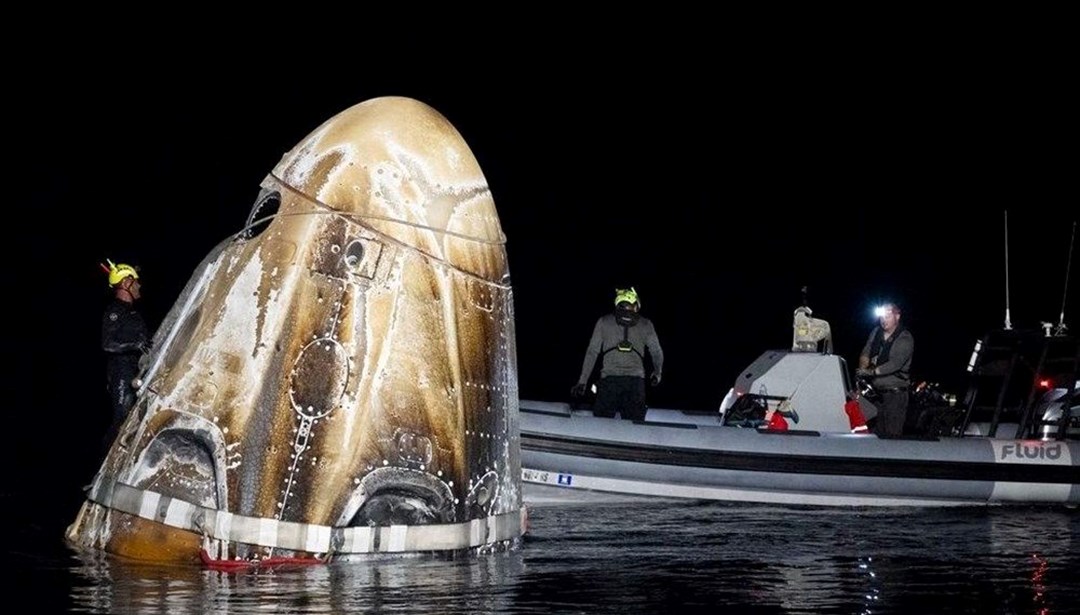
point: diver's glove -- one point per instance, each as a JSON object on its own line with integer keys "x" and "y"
{"x": 578, "y": 390}
{"x": 864, "y": 372}
{"x": 654, "y": 379}
{"x": 146, "y": 348}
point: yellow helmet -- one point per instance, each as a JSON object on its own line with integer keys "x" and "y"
{"x": 628, "y": 295}
{"x": 118, "y": 272}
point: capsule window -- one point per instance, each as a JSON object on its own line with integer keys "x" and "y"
{"x": 354, "y": 255}
{"x": 262, "y": 213}
{"x": 362, "y": 257}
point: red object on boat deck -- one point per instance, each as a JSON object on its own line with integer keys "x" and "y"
{"x": 777, "y": 423}
{"x": 855, "y": 416}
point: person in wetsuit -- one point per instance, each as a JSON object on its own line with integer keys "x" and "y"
{"x": 124, "y": 340}
{"x": 622, "y": 338}
{"x": 885, "y": 361}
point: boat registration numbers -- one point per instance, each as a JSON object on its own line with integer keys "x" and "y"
{"x": 540, "y": 476}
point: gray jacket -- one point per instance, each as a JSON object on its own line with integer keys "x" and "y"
{"x": 896, "y": 371}
{"x": 606, "y": 337}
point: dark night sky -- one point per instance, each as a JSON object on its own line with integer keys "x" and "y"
{"x": 717, "y": 189}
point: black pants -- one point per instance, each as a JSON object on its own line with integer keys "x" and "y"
{"x": 622, "y": 394}
{"x": 892, "y": 411}
{"x": 121, "y": 398}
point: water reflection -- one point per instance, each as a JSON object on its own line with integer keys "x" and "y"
{"x": 873, "y": 592}
{"x": 473, "y": 583}
{"x": 630, "y": 558}
{"x": 1039, "y": 541}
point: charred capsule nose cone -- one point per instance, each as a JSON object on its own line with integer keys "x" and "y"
{"x": 347, "y": 361}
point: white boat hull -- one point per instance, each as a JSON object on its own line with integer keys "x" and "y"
{"x": 683, "y": 456}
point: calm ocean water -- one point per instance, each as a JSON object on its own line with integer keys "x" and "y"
{"x": 619, "y": 556}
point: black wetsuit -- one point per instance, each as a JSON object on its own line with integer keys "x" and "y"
{"x": 124, "y": 338}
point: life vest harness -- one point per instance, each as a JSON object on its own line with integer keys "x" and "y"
{"x": 625, "y": 345}
{"x": 880, "y": 348}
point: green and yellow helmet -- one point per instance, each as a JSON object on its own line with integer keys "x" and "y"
{"x": 117, "y": 273}
{"x": 628, "y": 295}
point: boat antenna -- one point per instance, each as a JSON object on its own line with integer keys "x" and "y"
{"x": 1065, "y": 293}
{"x": 1008, "y": 322}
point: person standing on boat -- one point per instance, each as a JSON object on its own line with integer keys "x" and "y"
{"x": 885, "y": 361}
{"x": 622, "y": 339}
